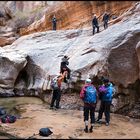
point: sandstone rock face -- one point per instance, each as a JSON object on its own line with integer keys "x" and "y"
{"x": 3, "y": 41}
{"x": 67, "y": 19}
{"x": 22, "y": 6}
{"x": 73, "y": 14}
{"x": 111, "y": 53}
{"x": 7, "y": 36}
{"x": 10, "y": 66}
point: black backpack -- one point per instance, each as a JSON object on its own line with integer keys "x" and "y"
{"x": 8, "y": 119}
{"x": 45, "y": 132}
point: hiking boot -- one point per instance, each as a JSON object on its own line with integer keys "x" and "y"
{"x": 99, "y": 121}
{"x": 107, "y": 124}
{"x": 57, "y": 107}
{"x": 51, "y": 107}
{"x": 91, "y": 129}
{"x": 86, "y": 129}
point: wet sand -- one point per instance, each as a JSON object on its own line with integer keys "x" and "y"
{"x": 68, "y": 124}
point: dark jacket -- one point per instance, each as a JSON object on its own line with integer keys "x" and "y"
{"x": 64, "y": 62}
{"x": 105, "y": 17}
{"x": 54, "y": 20}
{"x": 95, "y": 21}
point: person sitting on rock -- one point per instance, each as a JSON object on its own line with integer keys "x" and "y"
{"x": 63, "y": 67}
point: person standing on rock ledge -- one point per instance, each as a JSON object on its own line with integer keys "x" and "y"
{"x": 54, "y": 21}
{"x": 95, "y": 24}
{"x": 105, "y": 20}
{"x": 106, "y": 93}
{"x": 89, "y": 96}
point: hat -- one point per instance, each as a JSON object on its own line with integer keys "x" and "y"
{"x": 95, "y": 15}
{"x": 105, "y": 80}
{"x": 65, "y": 56}
{"x": 88, "y": 80}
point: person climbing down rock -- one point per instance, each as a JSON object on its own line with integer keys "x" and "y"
{"x": 63, "y": 67}
{"x": 106, "y": 92}
{"x": 89, "y": 96}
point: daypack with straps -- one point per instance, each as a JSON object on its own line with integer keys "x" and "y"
{"x": 54, "y": 83}
{"x": 90, "y": 94}
{"x": 8, "y": 119}
{"x": 45, "y": 132}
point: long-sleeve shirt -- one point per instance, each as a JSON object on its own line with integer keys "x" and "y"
{"x": 95, "y": 21}
{"x": 107, "y": 92}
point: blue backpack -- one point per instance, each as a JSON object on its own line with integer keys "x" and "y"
{"x": 90, "y": 95}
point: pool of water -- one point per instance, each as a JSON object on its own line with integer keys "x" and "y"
{"x": 10, "y": 104}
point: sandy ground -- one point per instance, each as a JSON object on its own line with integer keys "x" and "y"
{"x": 68, "y": 124}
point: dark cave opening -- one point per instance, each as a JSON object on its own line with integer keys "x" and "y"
{"x": 23, "y": 75}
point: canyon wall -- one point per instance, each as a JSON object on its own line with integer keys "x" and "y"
{"x": 113, "y": 53}
{"x": 76, "y": 14}
{"x": 31, "y": 61}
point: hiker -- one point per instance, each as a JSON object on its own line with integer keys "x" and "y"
{"x": 106, "y": 93}
{"x": 57, "y": 90}
{"x": 63, "y": 67}
{"x": 89, "y": 96}
{"x": 54, "y": 21}
{"x": 95, "y": 24}
{"x": 105, "y": 20}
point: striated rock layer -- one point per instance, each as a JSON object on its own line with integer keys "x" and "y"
{"x": 76, "y": 14}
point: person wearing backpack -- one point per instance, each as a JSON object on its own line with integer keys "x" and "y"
{"x": 56, "y": 87}
{"x": 89, "y": 96}
{"x": 106, "y": 93}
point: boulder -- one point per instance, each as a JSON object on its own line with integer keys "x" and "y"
{"x": 10, "y": 66}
